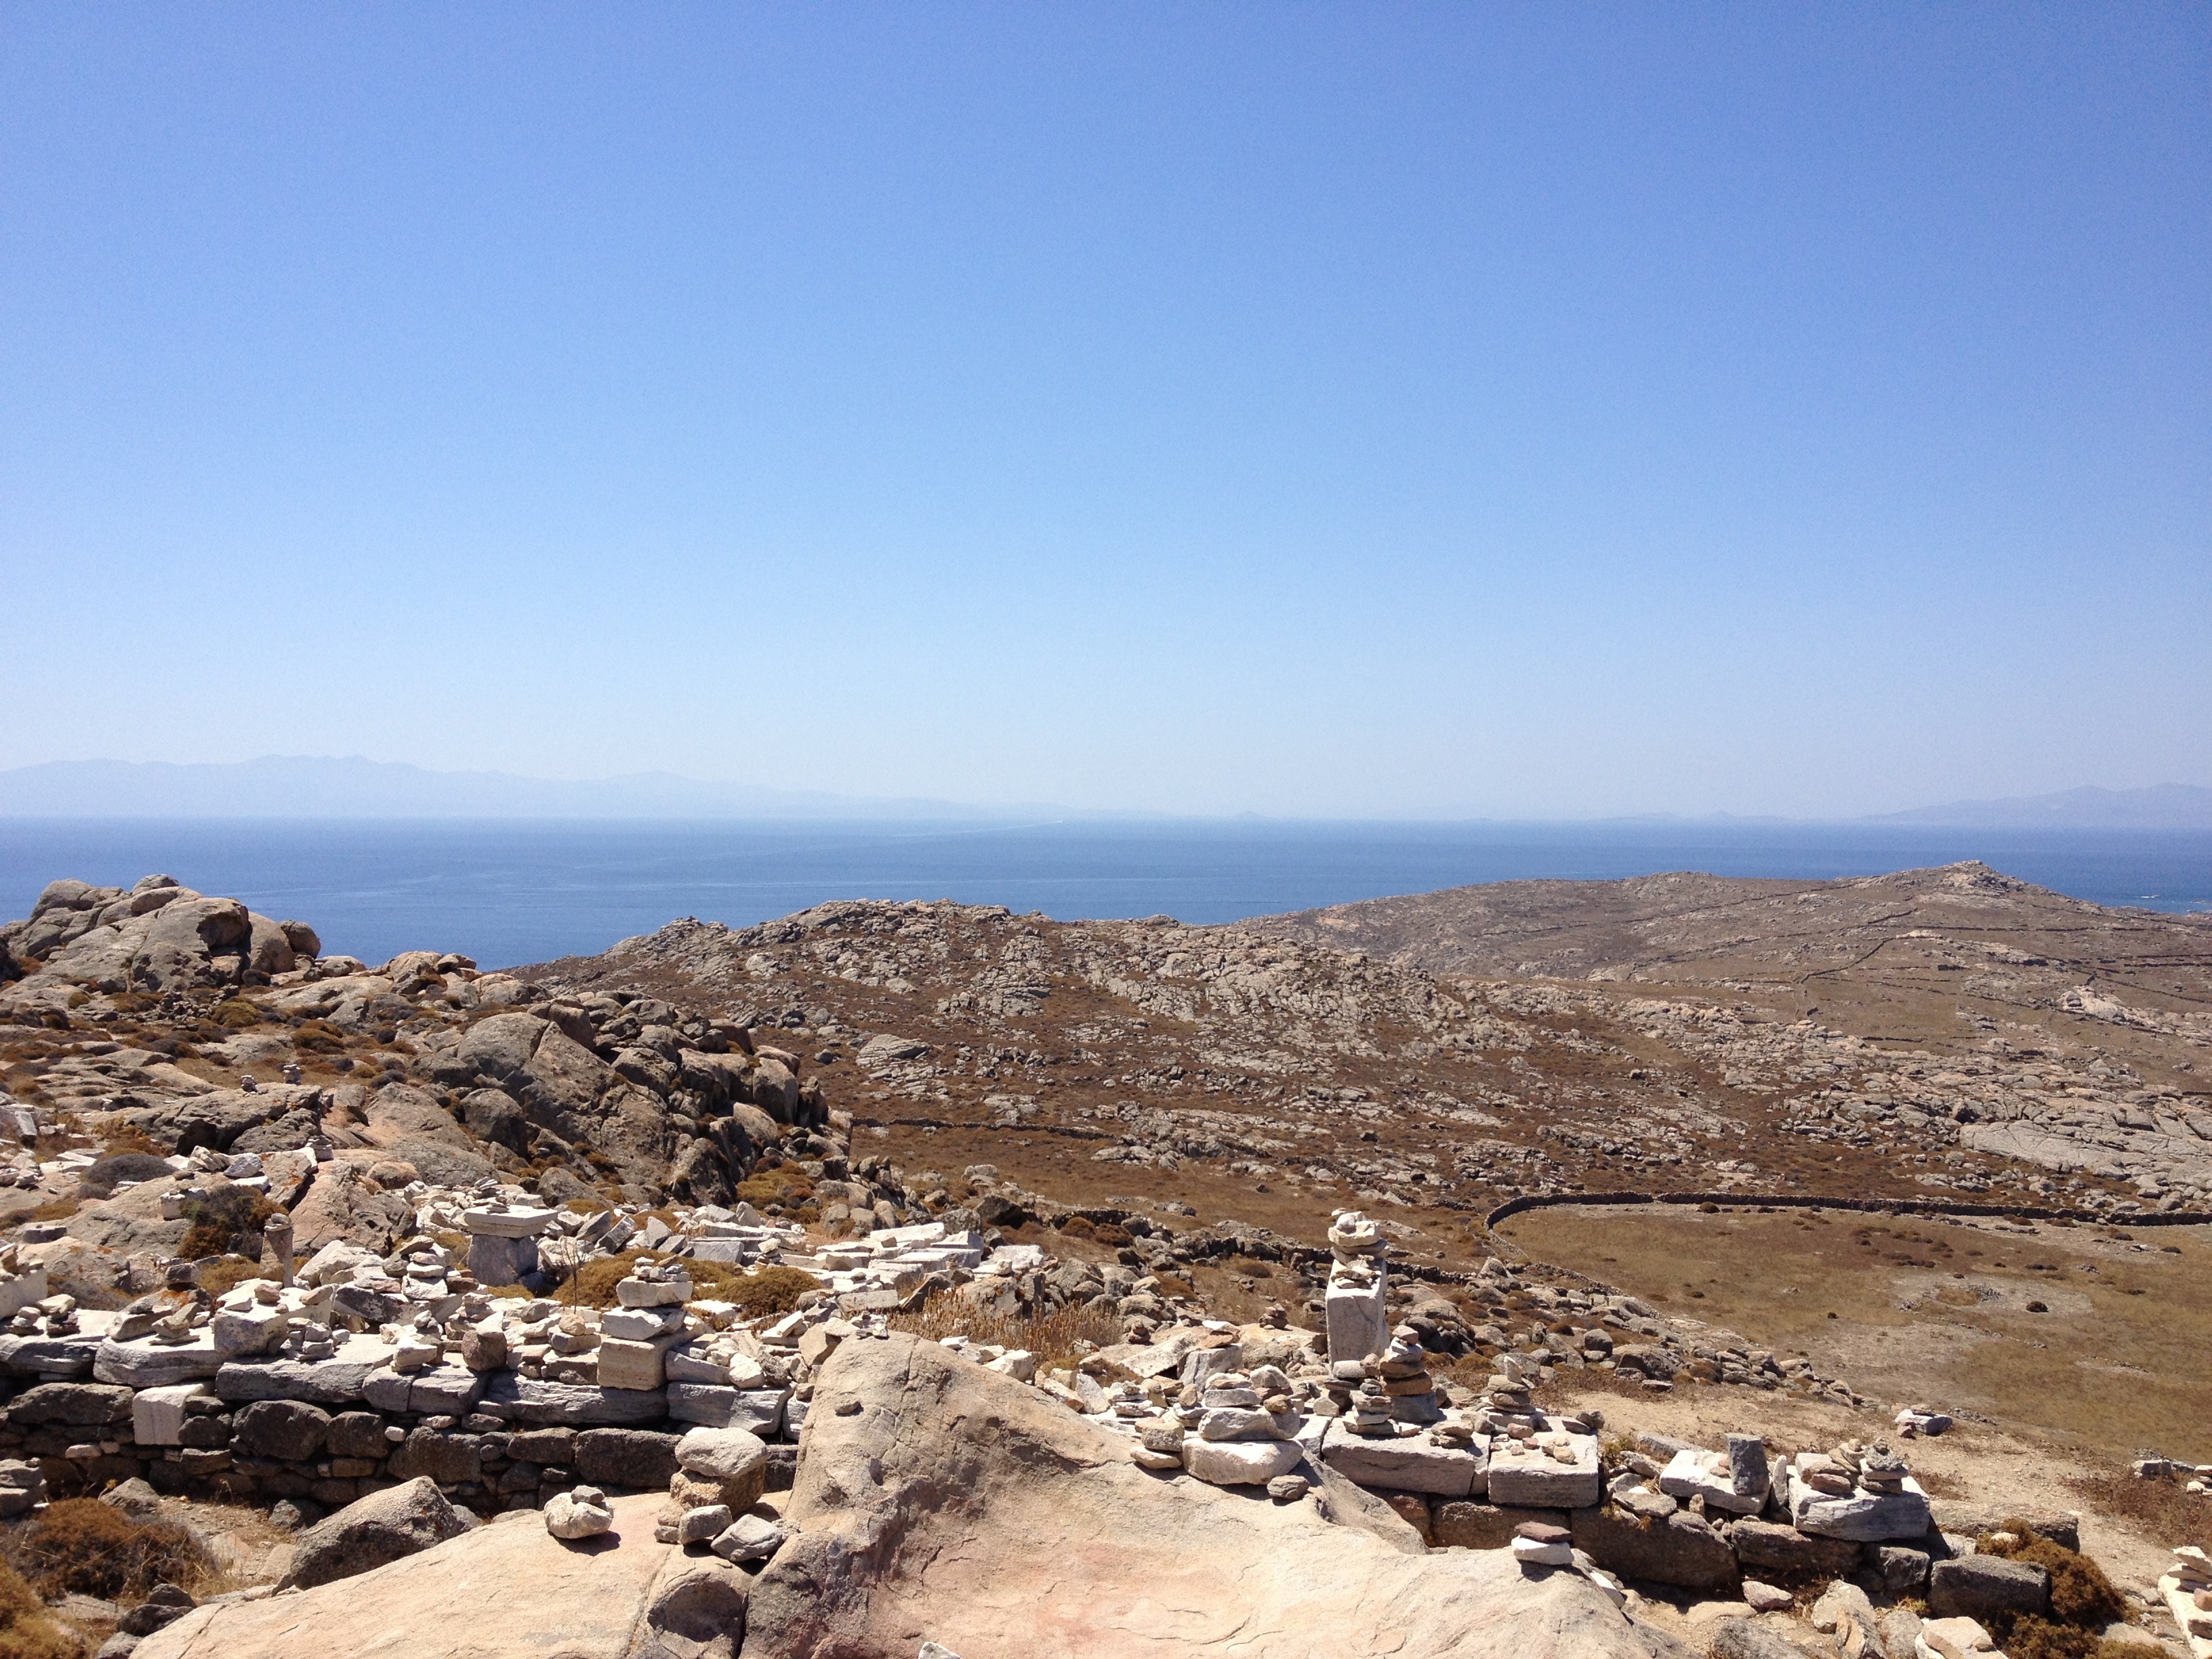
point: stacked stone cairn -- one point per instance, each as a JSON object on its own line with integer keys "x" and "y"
{"x": 503, "y": 1235}
{"x": 1403, "y": 1369}
{"x": 2186, "y": 1586}
{"x": 721, "y": 1474}
{"x": 1507, "y": 1408}
{"x": 1534, "y": 1462}
{"x": 1244, "y": 1436}
{"x": 1862, "y": 1492}
{"x": 1358, "y": 1327}
{"x": 637, "y": 1334}
{"x": 1735, "y": 1481}
{"x": 22, "y": 1488}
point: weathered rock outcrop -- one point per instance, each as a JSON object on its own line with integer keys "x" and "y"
{"x": 505, "y": 1589}
{"x": 936, "y": 1499}
{"x": 373, "y": 1532}
{"x": 157, "y": 937}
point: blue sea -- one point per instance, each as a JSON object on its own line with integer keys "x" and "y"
{"x": 512, "y": 892}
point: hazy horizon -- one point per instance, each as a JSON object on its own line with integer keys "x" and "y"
{"x": 1417, "y": 412}
{"x": 274, "y": 786}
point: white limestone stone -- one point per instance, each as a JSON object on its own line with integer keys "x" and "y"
{"x": 157, "y": 1414}
{"x": 645, "y": 1293}
{"x": 1412, "y": 1463}
{"x": 1357, "y": 1325}
{"x": 1532, "y": 1552}
{"x": 579, "y": 1512}
{"x": 1240, "y": 1462}
{"x": 1523, "y": 1475}
{"x": 516, "y": 1223}
{"x": 641, "y": 1324}
{"x": 1695, "y": 1473}
{"x": 1862, "y": 1517}
{"x": 142, "y": 1362}
{"x": 627, "y": 1365}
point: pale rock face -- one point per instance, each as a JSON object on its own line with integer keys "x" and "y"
{"x": 636, "y": 1366}
{"x": 1041, "y": 1539}
{"x": 749, "y": 1538}
{"x": 579, "y": 1512}
{"x": 510, "y": 1583}
{"x": 1240, "y": 1462}
{"x": 720, "y": 1454}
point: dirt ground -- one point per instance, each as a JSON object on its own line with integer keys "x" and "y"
{"x": 2098, "y": 1338}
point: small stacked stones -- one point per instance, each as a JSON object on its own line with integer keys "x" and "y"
{"x": 1232, "y": 1409}
{"x": 55, "y": 1317}
{"x": 22, "y": 1487}
{"x": 428, "y": 1267}
{"x": 2187, "y": 1585}
{"x": 309, "y": 1340}
{"x": 1853, "y": 1467}
{"x": 1355, "y": 1247}
{"x": 1829, "y": 1476}
{"x": 1404, "y": 1369}
{"x": 1881, "y": 1471}
{"x": 1506, "y": 1407}
{"x": 1452, "y": 1435}
{"x": 417, "y": 1344}
{"x": 1369, "y": 1412}
{"x": 169, "y": 1315}
{"x": 1159, "y": 1443}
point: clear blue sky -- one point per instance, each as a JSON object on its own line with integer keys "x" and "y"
{"x": 1352, "y": 411}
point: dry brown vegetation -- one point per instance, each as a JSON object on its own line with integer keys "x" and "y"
{"x": 1058, "y": 1339}
{"x": 79, "y": 1546}
{"x": 225, "y": 1273}
{"x": 1867, "y": 1298}
{"x": 2159, "y": 1509}
{"x": 225, "y": 1222}
{"x": 763, "y": 1290}
{"x": 25, "y": 1631}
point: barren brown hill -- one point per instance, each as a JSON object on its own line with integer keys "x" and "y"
{"x": 1686, "y": 925}
{"x": 1936, "y": 1032}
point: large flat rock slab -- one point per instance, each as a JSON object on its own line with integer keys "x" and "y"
{"x": 1408, "y": 1463}
{"x": 938, "y": 1500}
{"x": 506, "y": 1590}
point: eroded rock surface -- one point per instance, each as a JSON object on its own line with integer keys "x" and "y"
{"x": 959, "y": 1503}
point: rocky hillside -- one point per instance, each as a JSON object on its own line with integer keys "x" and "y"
{"x": 1254, "y": 1069}
{"x": 736, "y": 1276}
{"x": 183, "y": 1022}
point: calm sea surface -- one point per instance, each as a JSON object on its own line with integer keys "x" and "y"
{"x": 507, "y": 893}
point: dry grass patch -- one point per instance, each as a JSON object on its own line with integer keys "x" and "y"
{"x": 25, "y": 1631}
{"x": 227, "y": 1222}
{"x": 2118, "y": 1365}
{"x": 227, "y": 1273}
{"x": 1058, "y": 1339}
{"x": 757, "y": 1294}
{"x": 118, "y": 1138}
{"x": 2161, "y": 1509}
{"x": 2083, "y": 1600}
{"x": 79, "y": 1546}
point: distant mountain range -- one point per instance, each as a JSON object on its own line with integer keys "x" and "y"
{"x": 322, "y": 787}
{"x": 2160, "y": 807}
